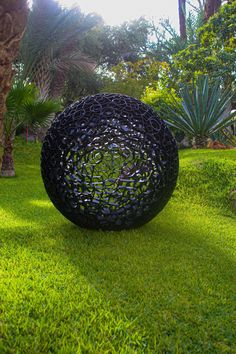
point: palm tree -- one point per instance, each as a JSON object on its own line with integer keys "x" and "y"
{"x": 205, "y": 110}
{"x": 24, "y": 107}
{"x": 13, "y": 18}
{"x": 49, "y": 49}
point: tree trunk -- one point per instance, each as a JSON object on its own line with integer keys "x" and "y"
{"x": 200, "y": 142}
{"x": 182, "y": 19}
{"x": 57, "y": 84}
{"x": 211, "y": 7}
{"x": 13, "y": 18}
{"x": 7, "y": 169}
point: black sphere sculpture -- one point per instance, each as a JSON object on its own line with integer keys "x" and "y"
{"x": 108, "y": 162}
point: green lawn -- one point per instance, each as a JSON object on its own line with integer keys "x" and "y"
{"x": 168, "y": 287}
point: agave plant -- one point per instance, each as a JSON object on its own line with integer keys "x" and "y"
{"x": 205, "y": 109}
{"x": 24, "y": 107}
{"x": 49, "y": 48}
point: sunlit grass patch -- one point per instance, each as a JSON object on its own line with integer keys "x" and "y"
{"x": 167, "y": 287}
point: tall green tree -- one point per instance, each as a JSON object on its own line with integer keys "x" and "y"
{"x": 108, "y": 46}
{"x": 127, "y": 42}
{"x": 166, "y": 41}
{"x": 214, "y": 52}
{"x": 50, "y": 46}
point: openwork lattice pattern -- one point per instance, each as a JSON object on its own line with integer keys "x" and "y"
{"x": 109, "y": 162}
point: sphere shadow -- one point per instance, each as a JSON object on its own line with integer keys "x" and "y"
{"x": 161, "y": 270}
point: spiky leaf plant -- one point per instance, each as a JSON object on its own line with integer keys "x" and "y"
{"x": 204, "y": 110}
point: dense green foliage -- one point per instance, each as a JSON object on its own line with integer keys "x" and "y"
{"x": 132, "y": 78}
{"x": 69, "y": 54}
{"x": 159, "y": 97}
{"x": 166, "y": 41}
{"x": 127, "y": 42}
{"x": 26, "y": 107}
{"x": 215, "y": 51}
{"x": 167, "y": 287}
{"x": 80, "y": 84}
{"x": 207, "y": 49}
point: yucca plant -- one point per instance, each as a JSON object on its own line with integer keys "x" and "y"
{"x": 24, "y": 107}
{"x": 205, "y": 109}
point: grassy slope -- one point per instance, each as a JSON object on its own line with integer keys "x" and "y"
{"x": 168, "y": 287}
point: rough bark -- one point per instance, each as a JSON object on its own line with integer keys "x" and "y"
{"x": 211, "y": 7}
{"x": 7, "y": 169}
{"x": 182, "y": 19}
{"x": 57, "y": 85}
{"x": 13, "y": 18}
{"x": 200, "y": 142}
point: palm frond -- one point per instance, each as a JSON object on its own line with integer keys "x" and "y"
{"x": 18, "y": 95}
{"x": 25, "y": 107}
{"x": 38, "y": 111}
{"x": 50, "y": 43}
